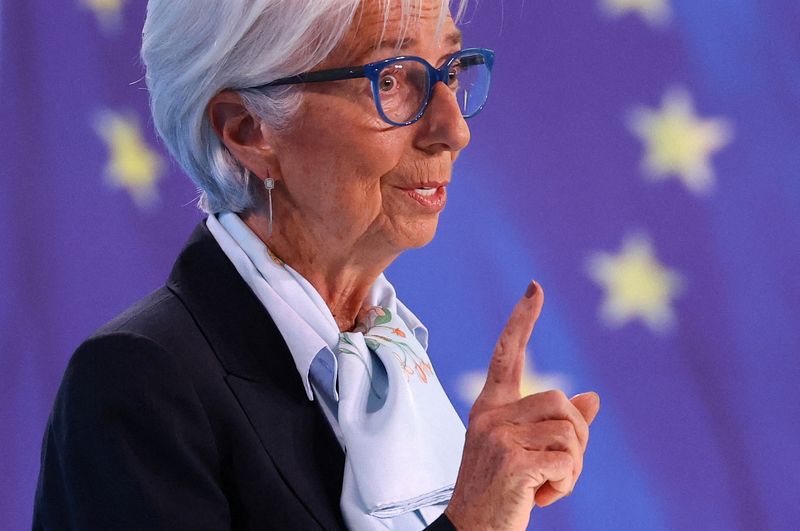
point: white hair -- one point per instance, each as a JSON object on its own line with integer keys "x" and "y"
{"x": 193, "y": 49}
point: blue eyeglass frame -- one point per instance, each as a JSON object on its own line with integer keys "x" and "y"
{"x": 372, "y": 72}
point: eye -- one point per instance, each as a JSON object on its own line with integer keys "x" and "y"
{"x": 388, "y": 83}
{"x": 452, "y": 77}
{"x": 453, "y": 73}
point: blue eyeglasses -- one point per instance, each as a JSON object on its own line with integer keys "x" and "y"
{"x": 402, "y": 87}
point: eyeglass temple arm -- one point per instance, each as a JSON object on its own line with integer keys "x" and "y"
{"x": 334, "y": 74}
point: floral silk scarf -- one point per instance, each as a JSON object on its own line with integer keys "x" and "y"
{"x": 403, "y": 438}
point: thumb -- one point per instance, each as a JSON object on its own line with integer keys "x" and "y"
{"x": 588, "y": 404}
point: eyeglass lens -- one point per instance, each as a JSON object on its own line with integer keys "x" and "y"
{"x": 403, "y": 87}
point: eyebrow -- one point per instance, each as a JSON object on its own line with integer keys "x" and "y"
{"x": 453, "y": 38}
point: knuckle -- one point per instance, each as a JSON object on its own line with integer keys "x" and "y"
{"x": 581, "y": 429}
{"x": 522, "y": 463}
{"x": 502, "y": 343}
{"x": 499, "y": 360}
{"x": 491, "y": 431}
{"x": 554, "y": 398}
{"x": 479, "y": 420}
{"x": 505, "y": 344}
{"x": 564, "y": 431}
{"x": 563, "y": 461}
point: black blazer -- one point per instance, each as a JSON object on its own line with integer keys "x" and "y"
{"x": 187, "y": 412}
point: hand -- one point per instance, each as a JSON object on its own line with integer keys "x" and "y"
{"x": 519, "y": 451}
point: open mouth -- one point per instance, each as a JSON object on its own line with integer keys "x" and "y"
{"x": 431, "y": 198}
{"x": 426, "y": 192}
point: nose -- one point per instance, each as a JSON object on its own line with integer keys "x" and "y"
{"x": 442, "y": 127}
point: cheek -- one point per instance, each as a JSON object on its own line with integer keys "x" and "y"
{"x": 346, "y": 160}
{"x": 337, "y": 155}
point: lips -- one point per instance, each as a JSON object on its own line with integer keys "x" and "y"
{"x": 431, "y": 196}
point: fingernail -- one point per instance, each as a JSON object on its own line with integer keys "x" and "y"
{"x": 588, "y": 393}
{"x": 531, "y": 289}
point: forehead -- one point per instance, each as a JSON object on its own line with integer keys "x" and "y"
{"x": 418, "y": 24}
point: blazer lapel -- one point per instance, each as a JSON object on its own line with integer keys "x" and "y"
{"x": 262, "y": 374}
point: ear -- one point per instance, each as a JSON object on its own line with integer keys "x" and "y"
{"x": 243, "y": 134}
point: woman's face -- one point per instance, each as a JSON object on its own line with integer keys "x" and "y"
{"x": 347, "y": 178}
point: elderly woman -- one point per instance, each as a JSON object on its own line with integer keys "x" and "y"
{"x": 276, "y": 380}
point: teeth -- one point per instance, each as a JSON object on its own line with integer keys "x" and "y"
{"x": 425, "y": 191}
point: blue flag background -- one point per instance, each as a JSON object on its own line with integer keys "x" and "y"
{"x": 639, "y": 158}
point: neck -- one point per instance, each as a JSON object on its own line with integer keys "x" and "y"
{"x": 342, "y": 274}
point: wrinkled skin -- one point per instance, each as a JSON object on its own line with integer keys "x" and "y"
{"x": 520, "y": 451}
{"x": 343, "y": 213}
{"x": 342, "y": 209}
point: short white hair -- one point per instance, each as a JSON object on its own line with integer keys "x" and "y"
{"x": 193, "y": 49}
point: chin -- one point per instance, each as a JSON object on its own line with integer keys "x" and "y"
{"x": 420, "y": 232}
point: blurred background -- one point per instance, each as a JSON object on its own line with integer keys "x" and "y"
{"x": 639, "y": 158}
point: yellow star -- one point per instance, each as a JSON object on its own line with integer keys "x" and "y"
{"x": 677, "y": 142}
{"x": 655, "y": 12}
{"x": 132, "y": 165}
{"x": 471, "y": 383}
{"x": 636, "y": 285}
{"x": 108, "y": 12}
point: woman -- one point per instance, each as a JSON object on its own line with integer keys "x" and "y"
{"x": 276, "y": 381}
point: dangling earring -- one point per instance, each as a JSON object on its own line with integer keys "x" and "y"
{"x": 269, "y": 184}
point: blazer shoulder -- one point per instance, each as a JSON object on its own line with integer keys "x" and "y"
{"x": 157, "y": 316}
{"x": 129, "y": 442}
{"x": 155, "y": 332}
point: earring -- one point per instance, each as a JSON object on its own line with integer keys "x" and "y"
{"x": 269, "y": 184}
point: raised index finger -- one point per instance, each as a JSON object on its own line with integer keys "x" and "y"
{"x": 505, "y": 369}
